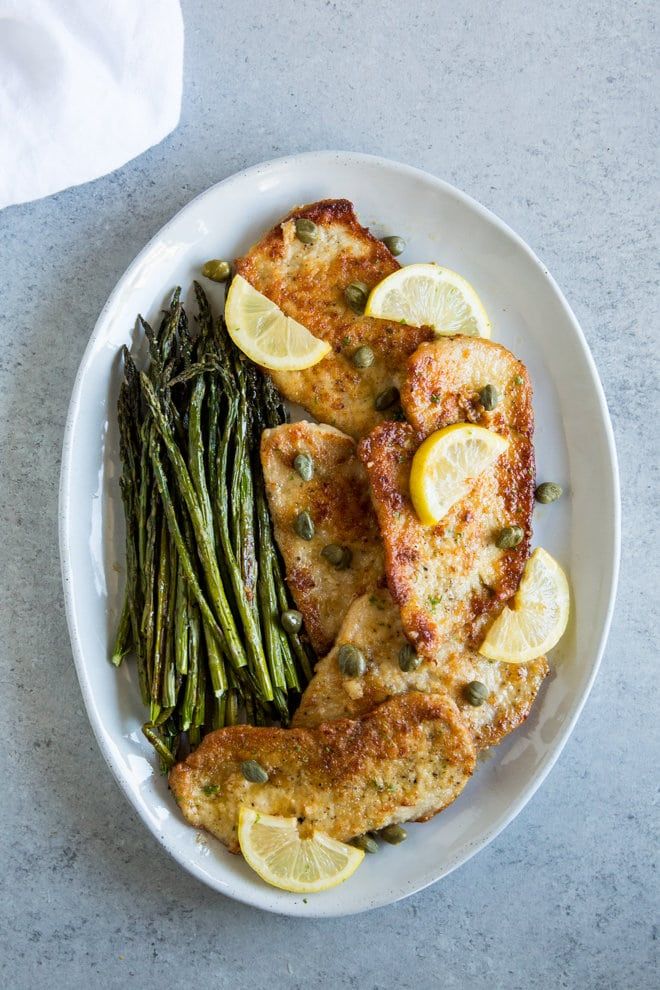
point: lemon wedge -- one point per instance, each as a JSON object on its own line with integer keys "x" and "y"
{"x": 537, "y": 617}
{"x": 426, "y": 295}
{"x": 446, "y": 466}
{"x": 263, "y": 332}
{"x": 273, "y": 847}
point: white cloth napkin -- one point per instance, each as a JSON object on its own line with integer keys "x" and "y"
{"x": 85, "y": 85}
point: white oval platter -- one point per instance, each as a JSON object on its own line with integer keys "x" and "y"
{"x": 574, "y": 446}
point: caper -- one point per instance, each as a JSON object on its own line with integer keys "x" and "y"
{"x": 409, "y": 659}
{"x": 365, "y": 842}
{"x": 387, "y": 398}
{"x": 547, "y": 492}
{"x": 216, "y": 270}
{"x": 394, "y": 244}
{"x": 509, "y": 537}
{"x": 356, "y": 295}
{"x": 306, "y": 230}
{"x": 333, "y": 553}
{"x": 304, "y": 465}
{"x": 393, "y": 834}
{"x": 488, "y": 397}
{"x": 351, "y": 660}
{"x": 476, "y": 693}
{"x": 304, "y": 525}
{"x": 363, "y": 357}
{"x": 254, "y": 772}
{"x": 340, "y": 557}
{"x": 291, "y": 620}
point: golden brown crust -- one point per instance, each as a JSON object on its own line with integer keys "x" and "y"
{"x": 307, "y": 282}
{"x": 373, "y": 625}
{"x": 408, "y": 759}
{"x": 445, "y": 378}
{"x": 337, "y": 498}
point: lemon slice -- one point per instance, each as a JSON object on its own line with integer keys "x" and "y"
{"x": 427, "y": 295}
{"x": 446, "y": 466}
{"x": 537, "y": 617}
{"x": 263, "y": 332}
{"x": 274, "y": 849}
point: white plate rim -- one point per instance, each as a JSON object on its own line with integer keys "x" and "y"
{"x": 547, "y": 763}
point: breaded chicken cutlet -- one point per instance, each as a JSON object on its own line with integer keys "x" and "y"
{"x": 307, "y": 281}
{"x": 449, "y": 580}
{"x": 336, "y": 496}
{"x": 408, "y": 759}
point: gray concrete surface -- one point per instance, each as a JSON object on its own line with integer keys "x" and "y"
{"x": 541, "y": 111}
